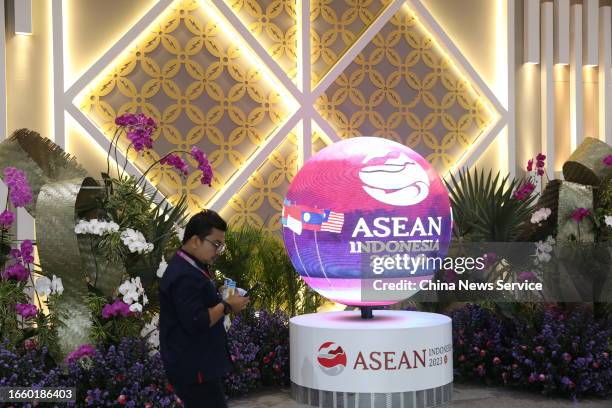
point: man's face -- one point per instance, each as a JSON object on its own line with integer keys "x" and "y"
{"x": 207, "y": 250}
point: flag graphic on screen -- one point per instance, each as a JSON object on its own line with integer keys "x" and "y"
{"x": 333, "y": 222}
{"x": 299, "y": 217}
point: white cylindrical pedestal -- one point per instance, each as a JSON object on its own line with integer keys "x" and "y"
{"x": 398, "y": 359}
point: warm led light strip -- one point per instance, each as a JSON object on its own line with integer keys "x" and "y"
{"x": 22, "y": 10}
{"x": 590, "y": 24}
{"x": 562, "y": 21}
{"x": 304, "y": 78}
{"x": 505, "y": 69}
{"x": 3, "y": 118}
{"x": 547, "y": 100}
{"x": 605, "y": 74}
{"x": 576, "y": 91}
{"x": 531, "y": 31}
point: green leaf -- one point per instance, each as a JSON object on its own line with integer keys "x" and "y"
{"x": 484, "y": 208}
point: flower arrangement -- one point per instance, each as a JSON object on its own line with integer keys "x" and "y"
{"x": 259, "y": 349}
{"x": 46, "y": 287}
{"x": 122, "y": 374}
{"x": 20, "y": 193}
{"x": 84, "y": 350}
{"x": 131, "y": 373}
{"x": 135, "y": 241}
{"x": 136, "y": 231}
{"x": 540, "y": 164}
{"x": 543, "y": 250}
{"x": 540, "y": 215}
{"x": 130, "y": 233}
{"x": 24, "y": 366}
{"x": 95, "y": 227}
{"x": 524, "y": 191}
{"x": 24, "y": 289}
{"x": 150, "y": 332}
{"x": 550, "y": 349}
{"x": 133, "y": 294}
{"x": 602, "y": 214}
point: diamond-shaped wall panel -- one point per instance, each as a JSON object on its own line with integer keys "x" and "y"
{"x": 274, "y": 24}
{"x": 403, "y": 87}
{"x": 200, "y": 86}
{"x": 335, "y": 26}
{"x": 260, "y": 202}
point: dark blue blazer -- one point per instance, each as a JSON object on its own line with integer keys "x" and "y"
{"x": 191, "y": 350}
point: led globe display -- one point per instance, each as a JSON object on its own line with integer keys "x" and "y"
{"x": 365, "y": 214}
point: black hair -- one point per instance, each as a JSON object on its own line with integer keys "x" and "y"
{"x": 202, "y": 224}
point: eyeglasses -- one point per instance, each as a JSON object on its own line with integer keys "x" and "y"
{"x": 219, "y": 246}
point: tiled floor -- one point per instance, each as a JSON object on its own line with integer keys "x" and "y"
{"x": 465, "y": 396}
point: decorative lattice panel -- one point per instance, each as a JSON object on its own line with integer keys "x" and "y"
{"x": 198, "y": 78}
{"x": 403, "y": 87}
{"x": 274, "y": 24}
{"x": 335, "y": 26}
{"x": 260, "y": 202}
{"x": 202, "y": 89}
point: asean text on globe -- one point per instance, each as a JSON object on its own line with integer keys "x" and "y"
{"x": 383, "y": 227}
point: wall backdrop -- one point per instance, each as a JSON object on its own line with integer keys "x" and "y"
{"x": 261, "y": 88}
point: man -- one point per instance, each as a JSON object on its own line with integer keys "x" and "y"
{"x": 192, "y": 336}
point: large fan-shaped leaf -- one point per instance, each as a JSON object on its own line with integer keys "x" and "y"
{"x": 484, "y": 206}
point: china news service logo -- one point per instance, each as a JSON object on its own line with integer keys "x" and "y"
{"x": 331, "y": 358}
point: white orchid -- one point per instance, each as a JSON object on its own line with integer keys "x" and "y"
{"x": 541, "y": 215}
{"x": 150, "y": 331}
{"x": 543, "y": 250}
{"x": 56, "y": 285}
{"x": 132, "y": 291}
{"x": 543, "y": 257}
{"x": 162, "y": 268}
{"x": 135, "y": 241}
{"x": 45, "y": 286}
{"x": 130, "y": 297}
{"x": 125, "y": 287}
{"x": 543, "y": 247}
{"x": 179, "y": 231}
{"x": 95, "y": 227}
{"x": 608, "y": 220}
{"x": 135, "y": 307}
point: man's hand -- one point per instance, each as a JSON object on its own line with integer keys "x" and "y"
{"x": 237, "y": 302}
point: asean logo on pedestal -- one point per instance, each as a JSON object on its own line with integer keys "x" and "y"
{"x": 331, "y": 358}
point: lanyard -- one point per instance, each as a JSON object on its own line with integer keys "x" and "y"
{"x": 192, "y": 263}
